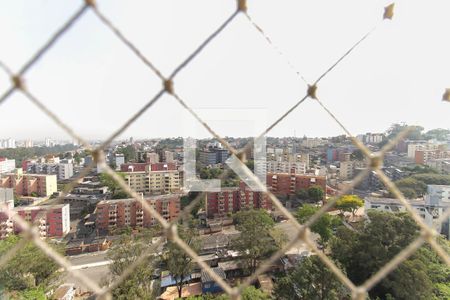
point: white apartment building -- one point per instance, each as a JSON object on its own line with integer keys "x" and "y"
{"x": 119, "y": 160}
{"x": 394, "y": 206}
{"x": 285, "y": 167}
{"x": 7, "y": 165}
{"x": 412, "y": 148}
{"x": 154, "y": 182}
{"x": 65, "y": 171}
{"x": 430, "y": 208}
{"x": 346, "y": 170}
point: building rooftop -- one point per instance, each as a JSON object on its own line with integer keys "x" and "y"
{"x": 42, "y": 207}
{"x": 393, "y": 201}
{"x": 156, "y": 197}
{"x": 207, "y": 278}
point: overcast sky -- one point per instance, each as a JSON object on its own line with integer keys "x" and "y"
{"x": 93, "y": 82}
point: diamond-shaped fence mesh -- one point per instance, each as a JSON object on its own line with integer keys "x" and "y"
{"x": 375, "y": 160}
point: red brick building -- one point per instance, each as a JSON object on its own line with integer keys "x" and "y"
{"x": 423, "y": 156}
{"x": 231, "y": 200}
{"x": 129, "y": 212}
{"x": 289, "y": 184}
{"x": 133, "y": 167}
{"x": 52, "y": 221}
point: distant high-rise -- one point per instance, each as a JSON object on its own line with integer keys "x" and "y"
{"x": 28, "y": 144}
{"x": 8, "y": 143}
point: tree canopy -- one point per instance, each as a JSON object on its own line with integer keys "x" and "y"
{"x": 323, "y": 226}
{"x": 364, "y": 252}
{"x": 30, "y": 271}
{"x": 310, "y": 279}
{"x": 349, "y": 203}
{"x": 177, "y": 261}
{"x": 315, "y": 193}
{"x": 257, "y": 240}
{"x": 123, "y": 253}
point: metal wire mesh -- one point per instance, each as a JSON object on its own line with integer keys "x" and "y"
{"x": 375, "y": 160}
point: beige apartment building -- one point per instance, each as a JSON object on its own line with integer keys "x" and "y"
{"x": 158, "y": 181}
{"x": 29, "y": 184}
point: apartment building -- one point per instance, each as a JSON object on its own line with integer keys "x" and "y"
{"x": 119, "y": 160}
{"x": 63, "y": 169}
{"x": 134, "y": 167}
{"x": 423, "y": 156}
{"x": 152, "y": 158}
{"x": 29, "y": 184}
{"x": 51, "y": 221}
{"x": 434, "y": 204}
{"x": 7, "y": 165}
{"x": 6, "y": 202}
{"x": 413, "y": 147}
{"x": 346, "y": 170}
{"x": 213, "y": 156}
{"x": 111, "y": 214}
{"x": 440, "y": 164}
{"x": 234, "y": 199}
{"x": 157, "y": 179}
{"x": 285, "y": 167}
{"x": 290, "y": 183}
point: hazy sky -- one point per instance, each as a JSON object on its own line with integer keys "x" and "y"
{"x": 93, "y": 82}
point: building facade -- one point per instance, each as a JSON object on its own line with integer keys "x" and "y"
{"x": 112, "y": 214}
{"x": 233, "y": 199}
{"x": 157, "y": 179}
{"x": 7, "y": 165}
{"x": 29, "y": 184}
{"x": 434, "y": 204}
{"x": 51, "y": 221}
{"x": 289, "y": 183}
{"x": 213, "y": 156}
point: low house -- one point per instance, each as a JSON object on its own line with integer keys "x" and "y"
{"x": 171, "y": 293}
{"x": 232, "y": 268}
{"x": 208, "y": 283}
{"x": 79, "y": 246}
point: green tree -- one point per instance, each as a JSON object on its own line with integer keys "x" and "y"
{"x": 364, "y": 252}
{"x": 432, "y": 178}
{"x": 323, "y": 226}
{"x": 77, "y": 158}
{"x": 249, "y": 293}
{"x": 29, "y": 269}
{"x": 302, "y": 194}
{"x": 417, "y": 186}
{"x": 315, "y": 193}
{"x": 128, "y": 152}
{"x": 438, "y": 134}
{"x": 114, "y": 188}
{"x": 420, "y": 169}
{"x": 349, "y": 203}
{"x": 310, "y": 279}
{"x": 414, "y": 134}
{"x": 123, "y": 253}
{"x": 409, "y": 193}
{"x": 178, "y": 262}
{"x": 256, "y": 241}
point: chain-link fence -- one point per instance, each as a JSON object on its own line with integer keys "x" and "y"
{"x": 374, "y": 162}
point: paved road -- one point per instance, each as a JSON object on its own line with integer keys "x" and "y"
{"x": 96, "y": 274}
{"x": 88, "y": 258}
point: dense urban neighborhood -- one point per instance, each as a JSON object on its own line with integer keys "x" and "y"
{"x": 85, "y": 214}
